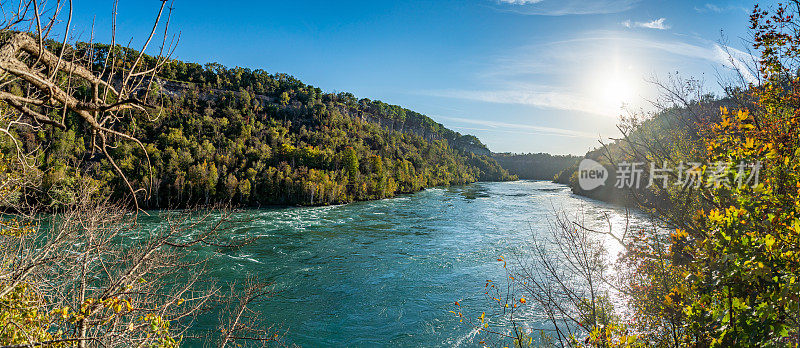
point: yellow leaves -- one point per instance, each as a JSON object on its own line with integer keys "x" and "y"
{"x": 715, "y": 216}
{"x": 15, "y": 228}
{"x": 180, "y": 302}
{"x": 795, "y": 226}
{"x": 522, "y": 300}
{"x": 22, "y": 319}
{"x": 725, "y": 123}
{"x": 64, "y": 313}
{"x": 749, "y": 143}
{"x": 679, "y": 234}
{"x": 86, "y": 303}
{"x": 742, "y": 115}
{"x": 668, "y": 302}
{"x": 769, "y": 241}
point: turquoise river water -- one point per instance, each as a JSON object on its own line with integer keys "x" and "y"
{"x": 386, "y": 273}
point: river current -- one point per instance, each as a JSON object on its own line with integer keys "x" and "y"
{"x": 387, "y": 273}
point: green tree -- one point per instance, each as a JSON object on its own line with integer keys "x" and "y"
{"x": 351, "y": 163}
{"x": 284, "y": 99}
{"x": 211, "y": 178}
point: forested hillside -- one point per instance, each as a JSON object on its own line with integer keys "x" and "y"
{"x": 535, "y": 166}
{"x": 249, "y": 137}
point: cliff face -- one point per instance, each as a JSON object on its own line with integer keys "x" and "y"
{"x": 417, "y": 125}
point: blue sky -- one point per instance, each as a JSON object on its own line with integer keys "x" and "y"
{"x": 522, "y": 75}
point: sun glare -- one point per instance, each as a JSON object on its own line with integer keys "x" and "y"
{"x": 617, "y": 91}
{"x": 613, "y": 87}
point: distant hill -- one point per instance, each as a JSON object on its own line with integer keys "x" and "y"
{"x": 535, "y": 166}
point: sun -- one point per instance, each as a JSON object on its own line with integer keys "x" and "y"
{"x": 617, "y": 91}
{"x": 612, "y": 87}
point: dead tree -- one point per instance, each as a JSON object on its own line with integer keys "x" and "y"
{"x": 41, "y": 79}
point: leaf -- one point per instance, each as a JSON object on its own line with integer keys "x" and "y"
{"x": 769, "y": 241}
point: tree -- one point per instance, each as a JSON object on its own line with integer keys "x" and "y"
{"x": 231, "y": 186}
{"x": 726, "y": 274}
{"x": 284, "y": 99}
{"x": 244, "y": 189}
{"x": 212, "y": 175}
{"x": 48, "y": 81}
{"x": 376, "y": 162}
{"x": 350, "y": 159}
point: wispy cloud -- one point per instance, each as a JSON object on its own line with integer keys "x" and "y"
{"x": 518, "y": 128}
{"x": 563, "y": 56}
{"x": 709, "y": 7}
{"x": 654, "y": 24}
{"x": 738, "y": 60}
{"x": 579, "y": 74}
{"x": 520, "y": 2}
{"x": 565, "y": 7}
{"x": 532, "y": 95}
{"x": 712, "y": 52}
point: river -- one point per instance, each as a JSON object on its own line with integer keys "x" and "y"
{"x": 387, "y": 272}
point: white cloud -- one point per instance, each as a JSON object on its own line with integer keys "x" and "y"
{"x": 713, "y": 8}
{"x": 519, "y": 128}
{"x": 654, "y": 24}
{"x": 725, "y": 56}
{"x": 565, "y": 7}
{"x": 737, "y": 60}
{"x": 539, "y": 96}
{"x": 708, "y": 7}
